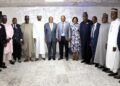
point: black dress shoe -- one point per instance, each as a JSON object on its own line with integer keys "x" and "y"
{"x": 0, "y": 70}
{"x": 112, "y": 74}
{"x": 83, "y": 61}
{"x": 43, "y": 58}
{"x": 12, "y": 62}
{"x": 54, "y": 59}
{"x": 3, "y": 66}
{"x": 60, "y": 58}
{"x": 19, "y": 61}
{"x": 26, "y": 60}
{"x": 36, "y": 59}
{"x": 119, "y": 81}
{"x": 117, "y": 77}
{"x": 107, "y": 70}
{"x": 49, "y": 58}
{"x": 96, "y": 65}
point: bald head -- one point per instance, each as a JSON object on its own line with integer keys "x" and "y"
{"x": 63, "y": 18}
{"x": 51, "y": 19}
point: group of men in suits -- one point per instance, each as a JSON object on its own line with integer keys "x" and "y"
{"x": 100, "y": 43}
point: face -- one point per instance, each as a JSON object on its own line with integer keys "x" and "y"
{"x": 85, "y": 17}
{"x": 4, "y": 19}
{"x": 104, "y": 19}
{"x": 75, "y": 21}
{"x": 14, "y": 20}
{"x": 113, "y": 15}
{"x": 63, "y": 18}
{"x": 51, "y": 19}
{"x": 94, "y": 19}
{"x": 39, "y": 18}
{"x": 26, "y": 19}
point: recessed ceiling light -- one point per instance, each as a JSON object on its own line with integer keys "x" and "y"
{"x": 54, "y": 0}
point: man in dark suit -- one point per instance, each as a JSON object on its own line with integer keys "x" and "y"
{"x": 50, "y": 38}
{"x": 17, "y": 39}
{"x": 2, "y": 43}
{"x": 63, "y": 36}
{"x": 85, "y": 31}
{"x": 94, "y": 36}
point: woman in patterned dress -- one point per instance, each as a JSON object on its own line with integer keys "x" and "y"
{"x": 75, "y": 42}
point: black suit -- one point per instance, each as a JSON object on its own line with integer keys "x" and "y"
{"x": 16, "y": 41}
{"x": 2, "y": 42}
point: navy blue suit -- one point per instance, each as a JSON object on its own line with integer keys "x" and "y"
{"x": 16, "y": 41}
{"x": 94, "y": 40}
{"x": 118, "y": 39}
{"x": 85, "y": 32}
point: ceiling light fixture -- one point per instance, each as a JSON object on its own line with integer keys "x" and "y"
{"x": 54, "y": 0}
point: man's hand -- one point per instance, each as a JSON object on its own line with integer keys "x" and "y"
{"x": 34, "y": 40}
{"x": 114, "y": 49}
{"x": 21, "y": 40}
{"x": 8, "y": 40}
{"x": 5, "y": 45}
{"x": 105, "y": 46}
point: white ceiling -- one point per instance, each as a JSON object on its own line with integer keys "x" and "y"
{"x": 14, "y": 3}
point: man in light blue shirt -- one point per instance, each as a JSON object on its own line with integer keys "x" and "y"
{"x": 63, "y": 36}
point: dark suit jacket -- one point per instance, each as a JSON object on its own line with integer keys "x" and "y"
{"x": 17, "y": 34}
{"x": 50, "y": 36}
{"x": 2, "y": 35}
{"x": 118, "y": 39}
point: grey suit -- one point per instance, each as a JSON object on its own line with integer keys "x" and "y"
{"x": 50, "y": 37}
{"x": 63, "y": 34}
{"x": 67, "y": 31}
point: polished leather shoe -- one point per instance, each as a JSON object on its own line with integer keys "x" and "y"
{"x": 54, "y": 59}
{"x": 26, "y": 60}
{"x": 49, "y": 58}
{"x": 3, "y": 66}
{"x": 12, "y": 62}
{"x": 117, "y": 77}
{"x": 112, "y": 74}
{"x": 0, "y": 70}
{"x": 36, "y": 59}
{"x": 43, "y": 58}
{"x": 83, "y": 61}
{"x": 60, "y": 58}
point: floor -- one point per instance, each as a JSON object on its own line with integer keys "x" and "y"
{"x": 55, "y": 73}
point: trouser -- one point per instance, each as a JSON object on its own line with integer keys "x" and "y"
{"x": 51, "y": 49}
{"x": 1, "y": 53}
{"x": 17, "y": 51}
{"x": 86, "y": 53}
{"x": 63, "y": 43}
